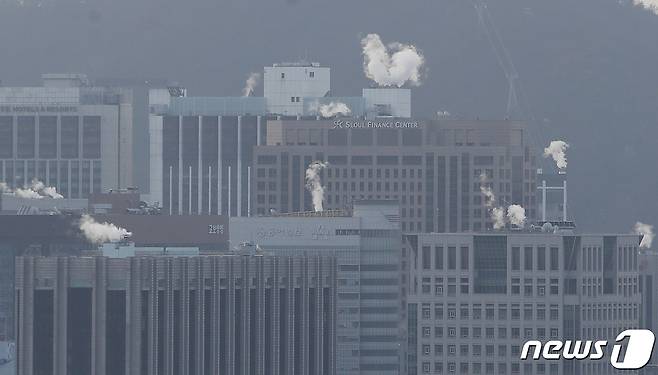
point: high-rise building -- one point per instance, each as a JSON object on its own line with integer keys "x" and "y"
{"x": 60, "y": 235}
{"x": 366, "y": 243}
{"x": 201, "y": 151}
{"x": 38, "y": 235}
{"x": 475, "y": 299}
{"x": 201, "y": 148}
{"x": 67, "y": 134}
{"x": 435, "y": 169}
{"x": 223, "y": 314}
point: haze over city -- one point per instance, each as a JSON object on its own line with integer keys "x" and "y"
{"x": 586, "y": 68}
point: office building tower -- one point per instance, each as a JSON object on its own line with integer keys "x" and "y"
{"x": 435, "y": 169}
{"x": 475, "y": 299}
{"x": 67, "y": 134}
{"x": 201, "y": 151}
{"x": 200, "y": 315}
{"x": 366, "y": 243}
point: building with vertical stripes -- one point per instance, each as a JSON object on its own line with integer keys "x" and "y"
{"x": 475, "y": 299}
{"x": 67, "y": 134}
{"x": 225, "y": 314}
{"x": 366, "y": 243}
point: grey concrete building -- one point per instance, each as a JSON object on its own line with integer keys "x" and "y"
{"x": 228, "y": 314}
{"x": 68, "y": 134}
{"x": 432, "y": 168}
{"x": 475, "y": 299}
{"x": 366, "y": 243}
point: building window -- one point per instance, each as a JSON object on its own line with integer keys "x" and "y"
{"x": 311, "y": 74}
{"x": 283, "y": 75}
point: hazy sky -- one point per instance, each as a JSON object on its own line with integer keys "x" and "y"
{"x": 588, "y": 68}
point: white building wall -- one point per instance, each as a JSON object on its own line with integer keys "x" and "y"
{"x": 285, "y": 87}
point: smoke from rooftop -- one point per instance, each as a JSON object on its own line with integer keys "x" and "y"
{"x": 557, "y": 150}
{"x": 314, "y": 184}
{"x": 250, "y": 84}
{"x": 651, "y": 5}
{"x": 392, "y": 65}
{"x": 516, "y": 215}
{"x": 98, "y": 233}
{"x": 646, "y": 231}
{"x": 330, "y": 110}
{"x": 36, "y": 190}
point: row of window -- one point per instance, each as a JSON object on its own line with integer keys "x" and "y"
{"x": 34, "y": 138}
{"x": 487, "y": 368}
{"x": 489, "y": 333}
{"x": 477, "y": 311}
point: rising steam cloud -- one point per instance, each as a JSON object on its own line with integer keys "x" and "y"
{"x": 250, "y": 84}
{"x": 36, "y": 190}
{"x": 330, "y": 110}
{"x": 497, "y": 213}
{"x": 498, "y": 217}
{"x": 557, "y": 150}
{"x": 516, "y": 215}
{"x": 97, "y": 232}
{"x": 646, "y": 231}
{"x": 314, "y": 185}
{"x": 651, "y": 5}
{"x": 402, "y": 64}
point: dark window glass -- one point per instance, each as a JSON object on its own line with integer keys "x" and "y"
{"x": 337, "y": 137}
{"x": 464, "y": 258}
{"x": 6, "y": 137}
{"x": 26, "y": 131}
{"x": 91, "y": 137}
{"x": 69, "y": 137}
{"x": 47, "y": 137}
{"x": 412, "y": 137}
{"x": 452, "y": 257}
{"x": 362, "y": 137}
{"x": 516, "y": 258}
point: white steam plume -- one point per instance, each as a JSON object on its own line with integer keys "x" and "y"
{"x": 651, "y": 5}
{"x": 497, "y": 213}
{"x": 395, "y": 68}
{"x": 97, "y": 232}
{"x": 36, "y": 190}
{"x": 250, "y": 84}
{"x": 490, "y": 197}
{"x": 498, "y": 217}
{"x": 516, "y": 215}
{"x": 330, "y": 110}
{"x": 557, "y": 150}
{"x": 314, "y": 185}
{"x": 646, "y": 231}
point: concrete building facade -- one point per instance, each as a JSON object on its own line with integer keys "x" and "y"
{"x": 475, "y": 299}
{"x": 433, "y": 168}
{"x": 287, "y": 86}
{"x": 67, "y": 134}
{"x": 366, "y": 244}
{"x": 229, "y": 314}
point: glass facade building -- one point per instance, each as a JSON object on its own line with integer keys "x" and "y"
{"x": 74, "y": 137}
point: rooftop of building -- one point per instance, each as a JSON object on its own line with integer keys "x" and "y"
{"x": 301, "y": 64}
